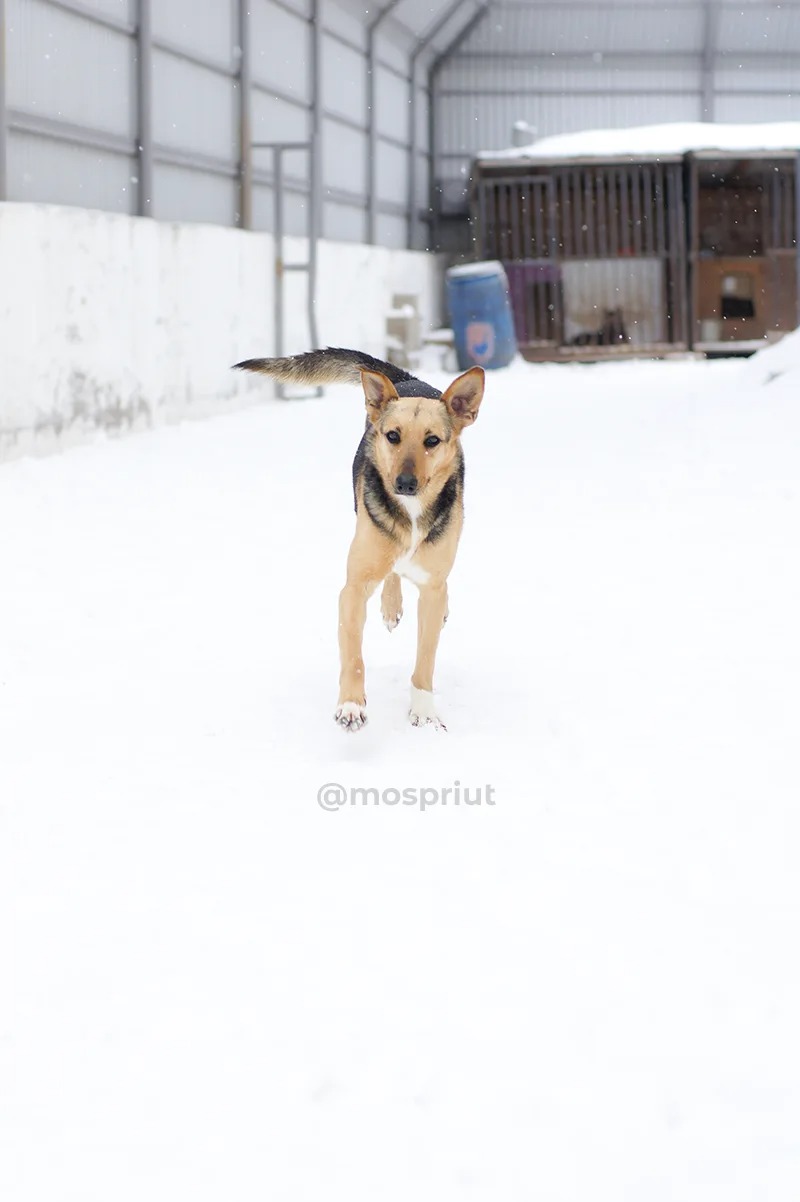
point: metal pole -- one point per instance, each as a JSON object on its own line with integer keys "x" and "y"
{"x": 3, "y": 117}
{"x": 277, "y": 236}
{"x": 144, "y": 84}
{"x": 797, "y": 230}
{"x": 372, "y": 124}
{"x": 245, "y": 120}
{"x": 710, "y": 23}
{"x": 315, "y": 168}
{"x": 472, "y": 24}
{"x": 413, "y": 152}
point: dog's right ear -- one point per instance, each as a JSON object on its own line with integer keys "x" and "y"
{"x": 378, "y": 391}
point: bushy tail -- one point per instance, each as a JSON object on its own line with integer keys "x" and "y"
{"x": 333, "y": 365}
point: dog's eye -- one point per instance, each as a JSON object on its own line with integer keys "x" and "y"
{"x": 393, "y": 437}
{"x": 432, "y": 441}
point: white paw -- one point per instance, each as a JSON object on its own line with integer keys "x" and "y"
{"x": 350, "y": 715}
{"x": 391, "y": 620}
{"x": 422, "y": 711}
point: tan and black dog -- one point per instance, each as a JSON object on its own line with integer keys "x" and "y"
{"x": 408, "y": 482}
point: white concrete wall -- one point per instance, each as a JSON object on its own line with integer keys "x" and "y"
{"x": 115, "y": 323}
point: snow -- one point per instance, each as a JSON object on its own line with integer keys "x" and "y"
{"x": 214, "y": 988}
{"x": 657, "y": 141}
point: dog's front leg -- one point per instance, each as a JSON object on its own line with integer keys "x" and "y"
{"x": 431, "y": 615}
{"x": 351, "y": 711}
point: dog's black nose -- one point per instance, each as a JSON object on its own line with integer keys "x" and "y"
{"x": 406, "y": 484}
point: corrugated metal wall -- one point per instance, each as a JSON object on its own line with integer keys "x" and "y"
{"x": 566, "y": 65}
{"x": 75, "y": 77}
{"x": 87, "y": 79}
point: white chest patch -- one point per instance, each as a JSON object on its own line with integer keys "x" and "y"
{"x": 405, "y": 566}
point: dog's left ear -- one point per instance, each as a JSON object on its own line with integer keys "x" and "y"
{"x": 378, "y": 391}
{"x": 463, "y": 397}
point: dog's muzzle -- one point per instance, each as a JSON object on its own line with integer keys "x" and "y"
{"x": 406, "y": 485}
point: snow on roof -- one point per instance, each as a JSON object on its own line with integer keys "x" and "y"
{"x": 656, "y": 141}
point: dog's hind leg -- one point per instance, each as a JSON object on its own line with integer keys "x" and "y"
{"x": 431, "y": 615}
{"x": 392, "y": 601}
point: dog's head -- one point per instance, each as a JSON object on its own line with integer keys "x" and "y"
{"x": 416, "y": 438}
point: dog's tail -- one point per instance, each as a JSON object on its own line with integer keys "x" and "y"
{"x": 332, "y": 365}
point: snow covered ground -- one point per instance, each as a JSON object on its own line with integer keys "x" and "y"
{"x": 586, "y": 992}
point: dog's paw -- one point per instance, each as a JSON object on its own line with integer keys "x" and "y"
{"x": 391, "y": 618}
{"x": 350, "y": 715}
{"x": 422, "y": 711}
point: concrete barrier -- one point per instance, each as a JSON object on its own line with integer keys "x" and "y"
{"x": 113, "y": 323}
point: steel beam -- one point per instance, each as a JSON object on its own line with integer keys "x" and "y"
{"x": 371, "y": 119}
{"x": 3, "y": 112}
{"x": 245, "y": 117}
{"x": 710, "y": 26}
{"x": 144, "y": 107}
{"x": 472, "y": 24}
{"x": 315, "y": 167}
{"x": 413, "y": 151}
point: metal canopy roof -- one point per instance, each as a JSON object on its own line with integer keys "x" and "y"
{"x": 566, "y": 28}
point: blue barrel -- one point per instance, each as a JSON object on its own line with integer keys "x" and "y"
{"x": 480, "y": 315}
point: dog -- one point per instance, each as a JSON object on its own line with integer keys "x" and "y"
{"x": 610, "y": 333}
{"x": 408, "y": 488}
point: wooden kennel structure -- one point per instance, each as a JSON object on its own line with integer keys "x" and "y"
{"x": 646, "y": 255}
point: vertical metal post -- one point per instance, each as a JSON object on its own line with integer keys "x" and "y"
{"x": 372, "y": 121}
{"x": 433, "y": 134}
{"x": 314, "y": 167}
{"x": 277, "y": 237}
{"x": 3, "y": 116}
{"x": 413, "y": 151}
{"x": 796, "y": 242}
{"x": 144, "y": 98}
{"x": 433, "y": 78}
{"x": 245, "y": 117}
{"x": 710, "y": 22}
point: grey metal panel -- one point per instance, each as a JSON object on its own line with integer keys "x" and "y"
{"x": 390, "y": 230}
{"x": 755, "y": 79}
{"x": 391, "y": 97}
{"x": 295, "y": 215}
{"x": 343, "y": 222}
{"x": 391, "y": 173}
{"x": 747, "y": 108}
{"x": 281, "y": 48}
{"x": 557, "y": 75}
{"x": 44, "y": 44}
{"x": 123, "y": 10}
{"x": 207, "y": 121}
{"x": 344, "y": 84}
{"x": 487, "y": 126}
{"x": 344, "y": 152}
{"x": 301, "y": 7}
{"x": 208, "y": 29}
{"x": 590, "y": 29}
{"x": 44, "y": 170}
{"x": 763, "y": 28}
{"x": 275, "y": 119}
{"x": 182, "y": 194}
{"x": 350, "y": 25}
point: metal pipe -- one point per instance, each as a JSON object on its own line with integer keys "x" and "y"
{"x": 433, "y": 80}
{"x": 372, "y": 124}
{"x": 710, "y": 23}
{"x": 797, "y": 230}
{"x": 277, "y": 242}
{"x": 314, "y": 168}
{"x": 413, "y": 150}
{"x": 144, "y": 105}
{"x": 3, "y": 114}
{"x": 245, "y": 118}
